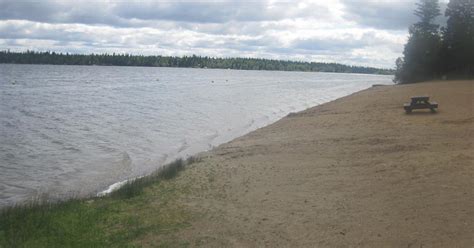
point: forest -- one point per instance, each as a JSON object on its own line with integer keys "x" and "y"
{"x": 436, "y": 51}
{"x": 35, "y": 57}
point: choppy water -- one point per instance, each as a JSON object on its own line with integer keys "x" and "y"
{"x": 78, "y": 129}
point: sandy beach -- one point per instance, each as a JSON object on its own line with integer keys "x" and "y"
{"x": 355, "y": 172}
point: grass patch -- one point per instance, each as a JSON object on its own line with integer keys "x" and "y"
{"x": 62, "y": 224}
{"x": 117, "y": 220}
{"x": 169, "y": 171}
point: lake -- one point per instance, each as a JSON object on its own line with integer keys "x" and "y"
{"x": 75, "y": 130}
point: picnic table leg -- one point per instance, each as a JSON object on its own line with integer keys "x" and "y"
{"x": 433, "y": 110}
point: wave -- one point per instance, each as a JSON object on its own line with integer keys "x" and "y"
{"x": 100, "y": 127}
{"x": 184, "y": 146}
{"x": 114, "y": 187}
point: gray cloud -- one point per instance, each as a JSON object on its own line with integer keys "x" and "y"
{"x": 19, "y": 10}
{"x": 381, "y": 14}
{"x": 334, "y": 31}
{"x": 48, "y": 11}
{"x": 194, "y": 12}
{"x": 395, "y": 15}
{"x": 126, "y": 13}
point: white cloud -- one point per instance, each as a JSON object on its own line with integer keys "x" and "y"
{"x": 354, "y": 32}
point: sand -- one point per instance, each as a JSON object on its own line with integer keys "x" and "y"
{"x": 355, "y": 172}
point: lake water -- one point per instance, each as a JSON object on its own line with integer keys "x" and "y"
{"x": 78, "y": 129}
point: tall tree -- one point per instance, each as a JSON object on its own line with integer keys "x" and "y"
{"x": 32, "y": 57}
{"x": 421, "y": 52}
{"x": 458, "y": 39}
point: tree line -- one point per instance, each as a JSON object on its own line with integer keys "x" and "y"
{"x": 35, "y": 57}
{"x": 434, "y": 52}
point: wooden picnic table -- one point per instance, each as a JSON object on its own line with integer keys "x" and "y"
{"x": 420, "y": 102}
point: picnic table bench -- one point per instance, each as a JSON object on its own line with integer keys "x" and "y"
{"x": 420, "y": 102}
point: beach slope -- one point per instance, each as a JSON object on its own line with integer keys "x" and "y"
{"x": 357, "y": 171}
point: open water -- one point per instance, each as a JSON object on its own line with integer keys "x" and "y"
{"x": 76, "y": 130}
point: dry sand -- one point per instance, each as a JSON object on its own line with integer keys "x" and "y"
{"x": 355, "y": 172}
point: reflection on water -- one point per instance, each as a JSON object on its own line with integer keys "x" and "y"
{"x": 79, "y": 129}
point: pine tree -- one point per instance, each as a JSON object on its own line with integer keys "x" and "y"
{"x": 458, "y": 39}
{"x": 421, "y": 53}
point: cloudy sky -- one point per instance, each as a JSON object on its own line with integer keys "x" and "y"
{"x": 355, "y": 32}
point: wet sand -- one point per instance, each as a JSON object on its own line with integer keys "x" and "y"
{"x": 355, "y": 172}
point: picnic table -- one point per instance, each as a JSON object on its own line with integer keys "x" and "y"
{"x": 420, "y": 102}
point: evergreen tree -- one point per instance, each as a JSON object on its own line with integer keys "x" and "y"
{"x": 458, "y": 39}
{"x": 421, "y": 52}
{"x": 32, "y": 57}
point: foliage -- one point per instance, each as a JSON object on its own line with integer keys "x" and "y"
{"x": 430, "y": 54}
{"x": 458, "y": 39}
{"x": 32, "y": 57}
{"x": 421, "y": 52}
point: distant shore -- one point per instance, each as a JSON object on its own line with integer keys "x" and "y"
{"x": 356, "y": 171}
{"x": 203, "y": 62}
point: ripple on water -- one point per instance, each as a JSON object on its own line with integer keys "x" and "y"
{"x": 81, "y": 129}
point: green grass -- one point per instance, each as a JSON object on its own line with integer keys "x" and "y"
{"x": 167, "y": 172}
{"x": 143, "y": 207}
{"x": 66, "y": 224}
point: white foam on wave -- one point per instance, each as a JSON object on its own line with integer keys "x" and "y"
{"x": 113, "y": 187}
{"x": 154, "y": 123}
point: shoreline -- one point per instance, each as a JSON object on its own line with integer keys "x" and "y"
{"x": 353, "y": 171}
{"x": 356, "y": 171}
{"x": 146, "y": 133}
{"x": 172, "y": 157}
{"x": 202, "y": 62}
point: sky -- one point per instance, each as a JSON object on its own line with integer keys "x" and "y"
{"x": 354, "y": 32}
